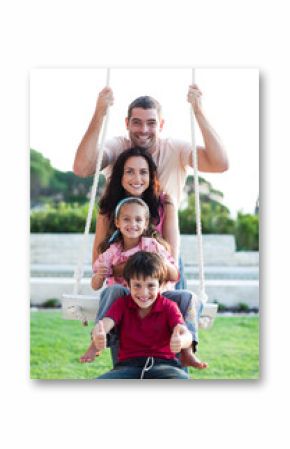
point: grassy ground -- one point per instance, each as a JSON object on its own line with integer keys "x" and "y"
{"x": 231, "y": 347}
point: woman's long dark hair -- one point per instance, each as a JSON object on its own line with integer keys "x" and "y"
{"x": 115, "y": 192}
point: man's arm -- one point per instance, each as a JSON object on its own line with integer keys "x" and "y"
{"x": 86, "y": 155}
{"x": 212, "y": 157}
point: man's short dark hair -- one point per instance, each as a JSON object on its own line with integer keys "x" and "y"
{"x": 145, "y": 102}
{"x": 144, "y": 264}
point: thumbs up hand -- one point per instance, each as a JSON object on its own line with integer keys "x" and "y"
{"x": 99, "y": 336}
{"x": 175, "y": 341}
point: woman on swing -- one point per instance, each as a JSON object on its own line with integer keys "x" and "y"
{"x": 134, "y": 175}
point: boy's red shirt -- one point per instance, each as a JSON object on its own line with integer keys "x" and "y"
{"x": 148, "y": 336}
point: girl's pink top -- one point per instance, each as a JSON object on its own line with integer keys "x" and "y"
{"x": 115, "y": 255}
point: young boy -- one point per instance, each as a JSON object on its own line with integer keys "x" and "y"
{"x": 151, "y": 326}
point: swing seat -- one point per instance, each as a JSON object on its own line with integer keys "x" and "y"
{"x": 85, "y": 307}
{"x": 80, "y": 307}
{"x": 208, "y": 315}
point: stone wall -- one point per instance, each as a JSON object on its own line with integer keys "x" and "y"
{"x": 64, "y": 249}
{"x": 231, "y": 277}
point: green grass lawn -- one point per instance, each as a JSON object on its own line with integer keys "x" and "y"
{"x": 230, "y": 346}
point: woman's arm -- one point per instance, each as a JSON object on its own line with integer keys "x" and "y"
{"x": 171, "y": 228}
{"x": 102, "y": 226}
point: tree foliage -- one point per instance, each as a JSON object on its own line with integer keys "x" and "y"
{"x": 215, "y": 217}
{"x": 61, "y": 218}
{"x": 41, "y": 173}
{"x": 247, "y": 232}
{"x": 51, "y": 185}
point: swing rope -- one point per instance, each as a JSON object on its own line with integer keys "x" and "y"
{"x": 79, "y": 271}
{"x": 202, "y": 294}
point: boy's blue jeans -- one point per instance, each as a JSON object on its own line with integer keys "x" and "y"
{"x": 159, "y": 370}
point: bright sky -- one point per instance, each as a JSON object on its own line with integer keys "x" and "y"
{"x": 62, "y": 102}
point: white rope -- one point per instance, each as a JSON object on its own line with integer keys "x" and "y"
{"x": 147, "y": 367}
{"x": 78, "y": 312}
{"x": 202, "y": 293}
{"x": 79, "y": 271}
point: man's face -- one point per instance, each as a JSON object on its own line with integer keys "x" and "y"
{"x": 144, "y": 127}
{"x": 144, "y": 292}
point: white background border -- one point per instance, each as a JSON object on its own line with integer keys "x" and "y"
{"x": 87, "y": 34}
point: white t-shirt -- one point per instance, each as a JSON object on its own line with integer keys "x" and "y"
{"x": 171, "y": 156}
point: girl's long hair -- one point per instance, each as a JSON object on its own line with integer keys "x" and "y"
{"x": 114, "y": 191}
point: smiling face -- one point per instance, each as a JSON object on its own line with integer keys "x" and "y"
{"x": 132, "y": 221}
{"x": 136, "y": 176}
{"x": 144, "y": 291}
{"x": 144, "y": 127}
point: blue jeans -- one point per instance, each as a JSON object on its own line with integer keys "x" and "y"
{"x": 159, "y": 369}
{"x": 181, "y": 284}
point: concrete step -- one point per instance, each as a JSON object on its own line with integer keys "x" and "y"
{"x": 65, "y": 248}
{"x": 229, "y": 292}
{"x": 192, "y": 272}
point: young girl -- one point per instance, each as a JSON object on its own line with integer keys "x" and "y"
{"x": 132, "y": 234}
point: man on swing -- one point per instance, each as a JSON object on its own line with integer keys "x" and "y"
{"x": 144, "y": 124}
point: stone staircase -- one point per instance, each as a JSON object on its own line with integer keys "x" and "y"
{"x": 231, "y": 277}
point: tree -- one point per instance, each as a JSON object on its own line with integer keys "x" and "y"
{"x": 215, "y": 217}
{"x": 51, "y": 185}
{"x": 41, "y": 173}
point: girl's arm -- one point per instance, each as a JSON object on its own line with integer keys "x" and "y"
{"x": 181, "y": 338}
{"x": 171, "y": 228}
{"x": 171, "y": 266}
{"x": 102, "y": 267}
{"x": 118, "y": 270}
{"x": 172, "y": 271}
{"x": 99, "y": 276}
{"x": 101, "y": 329}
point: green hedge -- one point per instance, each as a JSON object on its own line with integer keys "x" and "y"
{"x": 61, "y": 218}
{"x": 247, "y": 232}
{"x": 215, "y": 220}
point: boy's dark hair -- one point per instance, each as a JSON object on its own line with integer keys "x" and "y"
{"x": 145, "y": 102}
{"x": 142, "y": 265}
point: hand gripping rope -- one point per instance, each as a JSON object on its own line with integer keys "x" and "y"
{"x": 204, "y": 321}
